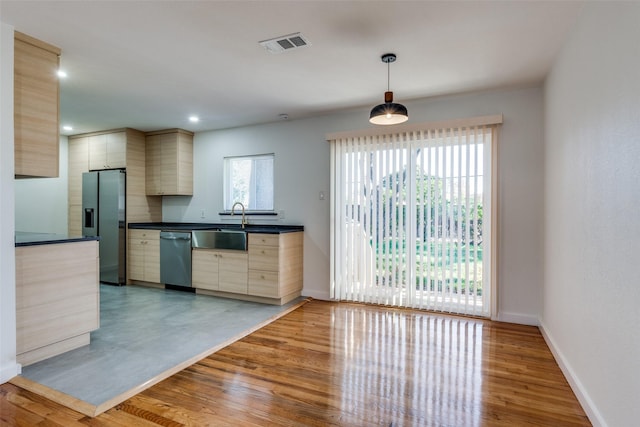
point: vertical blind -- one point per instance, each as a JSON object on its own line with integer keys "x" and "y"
{"x": 411, "y": 217}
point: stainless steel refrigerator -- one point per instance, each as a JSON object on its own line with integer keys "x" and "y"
{"x": 103, "y": 214}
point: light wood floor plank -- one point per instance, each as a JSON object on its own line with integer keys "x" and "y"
{"x": 339, "y": 364}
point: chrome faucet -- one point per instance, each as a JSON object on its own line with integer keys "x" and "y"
{"x": 233, "y": 212}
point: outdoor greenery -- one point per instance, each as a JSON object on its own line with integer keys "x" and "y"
{"x": 448, "y": 236}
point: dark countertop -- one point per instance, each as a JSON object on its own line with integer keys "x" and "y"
{"x": 24, "y": 238}
{"x": 188, "y": 226}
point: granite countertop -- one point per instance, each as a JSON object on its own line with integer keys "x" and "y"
{"x": 24, "y": 238}
{"x": 188, "y": 226}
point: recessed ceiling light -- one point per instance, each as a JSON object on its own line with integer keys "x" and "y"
{"x": 194, "y": 119}
{"x": 67, "y": 127}
{"x": 62, "y": 74}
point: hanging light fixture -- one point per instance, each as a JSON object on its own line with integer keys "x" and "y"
{"x": 388, "y": 113}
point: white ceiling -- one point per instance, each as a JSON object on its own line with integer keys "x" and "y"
{"x": 151, "y": 64}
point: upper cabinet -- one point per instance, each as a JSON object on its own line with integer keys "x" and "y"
{"x": 111, "y": 149}
{"x": 36, "y": 107}
{"x": 169, "y": 168}
{"x": 108, "y": 151}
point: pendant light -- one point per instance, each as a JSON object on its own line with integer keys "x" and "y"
{"x": 388, "y": 113}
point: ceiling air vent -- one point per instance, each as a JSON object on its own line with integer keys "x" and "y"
{"x": 284, "y": 43}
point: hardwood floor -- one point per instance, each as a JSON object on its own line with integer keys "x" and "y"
{"x": 330, "y": 364}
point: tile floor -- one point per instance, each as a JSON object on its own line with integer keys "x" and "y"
{"x": 143, "y": 333}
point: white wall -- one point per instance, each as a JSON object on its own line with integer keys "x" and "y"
{"x": 591, "y": 314}
{"x": 41, "y": 204}
{"x": 302, "y": 171}
{"x": 8, "y": 366}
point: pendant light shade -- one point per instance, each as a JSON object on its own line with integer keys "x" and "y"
{"x": 388, "y": 113}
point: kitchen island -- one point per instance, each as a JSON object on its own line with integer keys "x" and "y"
{"x": 57, "y": 294}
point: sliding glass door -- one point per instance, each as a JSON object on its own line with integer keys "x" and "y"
{"x": 411, "y": 216}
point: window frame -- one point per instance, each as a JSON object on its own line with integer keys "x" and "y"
{"x": 228, "y": 188}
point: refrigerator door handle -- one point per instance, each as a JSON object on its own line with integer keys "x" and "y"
{"x": 89, "y": 218}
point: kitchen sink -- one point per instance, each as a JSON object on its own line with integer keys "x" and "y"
{"x": 226, "y": 239}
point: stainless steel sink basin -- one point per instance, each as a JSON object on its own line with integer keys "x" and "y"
{"x": 219, "y": 239}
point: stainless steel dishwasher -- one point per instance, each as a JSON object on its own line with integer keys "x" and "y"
{"x": 175, "y": 258}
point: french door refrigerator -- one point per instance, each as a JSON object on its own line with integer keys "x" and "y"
{"x": 103, "y": 214}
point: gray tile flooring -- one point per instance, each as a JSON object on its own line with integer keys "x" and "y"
{"x": 143, "y": 333}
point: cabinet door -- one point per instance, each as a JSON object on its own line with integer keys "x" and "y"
{"x": 78, "y": 164}
{"x": 108, "y": 151}
{"x": 135, "y": 254}
{"x": 97, "y": 152}
{"x": 153, "y": 173}
{"x": 233, "y": 272}
{"x": 144, "y": 255}
{"x": 184, "y": 172}
{"x": 36, "y": 104}
{"x": 204, "y": 269}
{"x": 116, "y": 150}
{"x": 169, "y": 163}
{"x": 152, "y": 257}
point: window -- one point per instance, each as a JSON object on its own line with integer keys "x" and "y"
{"x": 412, "y": 218}
{"x": 249, "y": 180}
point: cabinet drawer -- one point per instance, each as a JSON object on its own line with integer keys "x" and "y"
{"x": 256, "y": 239}
{"x": 264, "y": 283}
{"x": 144, "y": 235}
{"x": 264, "y": 258}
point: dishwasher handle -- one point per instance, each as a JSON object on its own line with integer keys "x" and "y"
{"x": 175, "y": 235}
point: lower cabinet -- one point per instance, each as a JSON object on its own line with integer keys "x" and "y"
{"x": 275, "y": 265}
{"x": 57, "y": 298}
{"x": 269, "y": 272}
{"x": 144, "y": 255}
{"x": 223, "y": 271}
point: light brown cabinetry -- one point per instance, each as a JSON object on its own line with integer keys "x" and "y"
{"x": 169, "y": 162}
{"x": 223, "y": 271}
{"x": 275, "y": 265}
{"x": 108, "y": 151}
{"x": 36, "y": 107}
{"x": 120, "y": 148}
{"x": 78, "y": 164}
{"x": 144, "y": 255}
{"x": 57, "y": 298}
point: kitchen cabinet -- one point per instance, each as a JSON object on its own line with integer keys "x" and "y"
{"x": 144, "y": 255}
{"x": 108, "y": 151}
{"x": 139, "y": 207}
{"x": 275, "y": 265}
{"x": 78, "y": 164}
{"x": 57, "y": 298}
{"x": 224, "y": 271}
{"x": 36, "y": 107}
{"x": 169, "y": 163}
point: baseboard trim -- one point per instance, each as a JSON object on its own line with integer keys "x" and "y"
{"x": 521, "y": 319}
{"x": 9, "y": 371}
{"x": 324, "y": 296}
{"x": 574, "y": 382}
